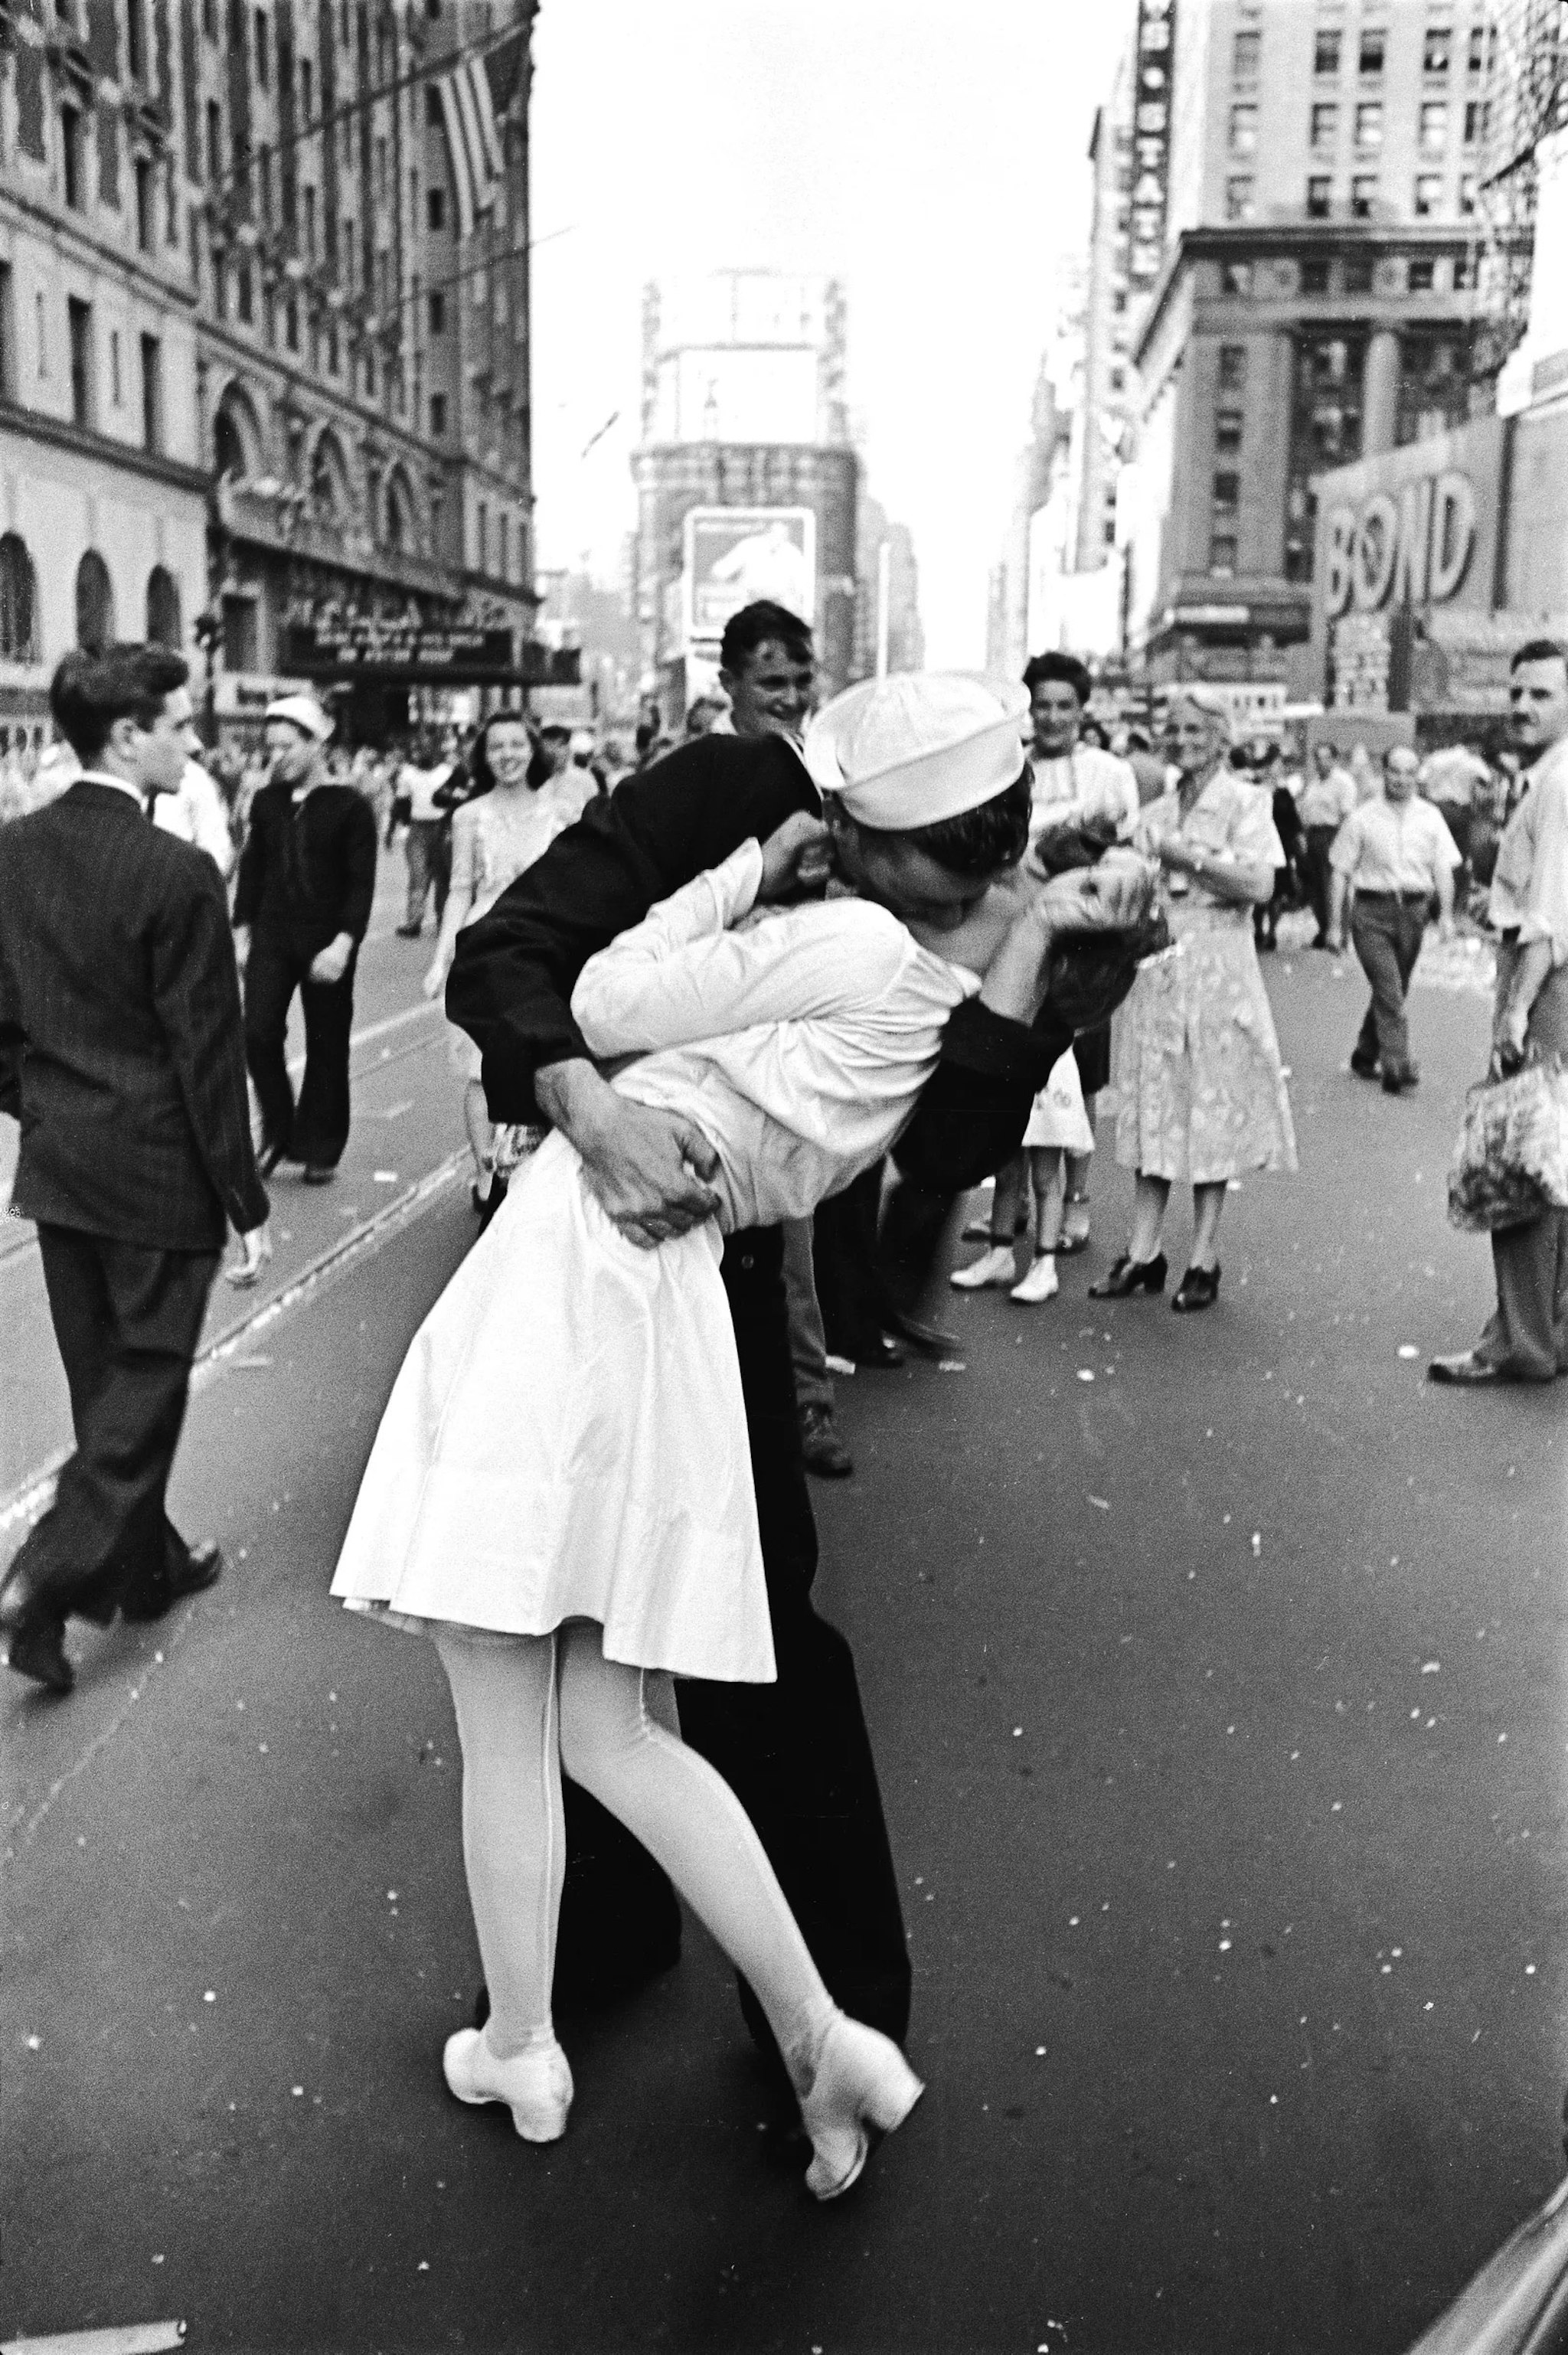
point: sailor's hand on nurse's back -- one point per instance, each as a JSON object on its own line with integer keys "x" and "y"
{"x": 648, "y": 1169}
{"x": 797, "y": 858}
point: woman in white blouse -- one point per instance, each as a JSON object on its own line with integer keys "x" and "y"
{"x": 494, "y": 837}
{"x": 1195, "y": 1061}
{"x": 560, "y": 1490}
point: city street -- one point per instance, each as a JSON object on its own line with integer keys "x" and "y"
{"x": 1213, "y": 1668}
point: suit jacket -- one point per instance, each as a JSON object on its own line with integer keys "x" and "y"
{"x": 121, "y": 1051}
{"x": 308, "y": 869}
{"x": 511, "y": 981}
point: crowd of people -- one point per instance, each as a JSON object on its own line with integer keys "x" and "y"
{"x": 737, "y": 1035}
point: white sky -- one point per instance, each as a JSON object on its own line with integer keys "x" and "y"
{"x": 930, "y": 153}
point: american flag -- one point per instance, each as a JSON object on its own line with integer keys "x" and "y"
{"x": 471, "y": 95}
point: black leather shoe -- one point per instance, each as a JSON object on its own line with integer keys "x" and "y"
{"x": 1125, "y": 1277}
{"x": 934, "y": 1340}
{"x": 35, "y": 1641}
{"x": 1199, "y": 1288}
{"x": 875, "y": 1353}
{"x": 824, "y": 1451}
{"x": 487, "y": 1205}
{"x": 1467, "y": 1368}
{"x": 318, "y": 1174}
{"x": 269, "y": 1157}
{"x": 1402, "y": 1076}
{"x": 1364, "y": 1068}
{"x": 203, "y": 1568}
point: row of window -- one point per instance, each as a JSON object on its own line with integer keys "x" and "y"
{"x": 1369, "y": 118}
{"x": 1362, "y": 196}
{"x": 1439, "y": 48}
{"x": 1316, "y": 274}
{"x": 19, "y": 636}
{"x": 80, "y": 354}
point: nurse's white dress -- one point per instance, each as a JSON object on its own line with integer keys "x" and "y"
{"x": 566, "y": 1436}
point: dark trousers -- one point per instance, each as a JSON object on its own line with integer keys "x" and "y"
{"x": 1527, "y": 1334}
{"x": 127, "y": 1322}
{"x": 315, "y": 1130}
{"x": 1316, "y": 871}
{"x": 427, "y": 846}
{"x": 1386, "y": 932}
{"x": 795, "y": 1753}
{"x": 856, "y": 1311}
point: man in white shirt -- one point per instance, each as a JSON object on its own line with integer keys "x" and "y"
{"x": 1526, "y": 1339}
{"x": 1325, "y": 801}
{"x": 1397, "y": 855}
{"x": 196, "y": 813}
{"x": 427, "y": 845}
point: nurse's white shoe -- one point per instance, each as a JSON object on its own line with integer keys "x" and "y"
{"x": 536, "y": 2087}
{"x": 996, "y": 1267}
{"x": 862, "y": 2082}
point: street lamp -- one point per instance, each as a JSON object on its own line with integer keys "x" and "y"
{"x": 207, "y": 632}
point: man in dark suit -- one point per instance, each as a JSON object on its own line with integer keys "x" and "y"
{"x": 121, "y": 1055}
{"x": 307, "y": 877}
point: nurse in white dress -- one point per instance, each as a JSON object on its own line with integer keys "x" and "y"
{"x": 561, "y": 1489}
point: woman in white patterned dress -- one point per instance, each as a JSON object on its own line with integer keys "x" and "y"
{"x": 1195, "y": 1062}
{"x": 494, "y": 837}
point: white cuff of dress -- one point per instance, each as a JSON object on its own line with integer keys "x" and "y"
{"x": 736, "y": 883}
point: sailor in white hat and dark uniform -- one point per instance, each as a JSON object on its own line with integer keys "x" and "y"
{"x": 307, "y": 877}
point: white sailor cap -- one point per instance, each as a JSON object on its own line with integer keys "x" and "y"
{"x": 305, "y": 713}
{"x": 911, "y": 750}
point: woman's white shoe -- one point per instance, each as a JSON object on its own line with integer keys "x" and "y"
{"x": 994, "y": 1266}
{"x": 1040, "y": 1283}
{"x": 536, "y": 2087}
{"x": 862, "y": 2081}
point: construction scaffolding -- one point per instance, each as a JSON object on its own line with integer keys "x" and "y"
{"x": 1524, "y": 96}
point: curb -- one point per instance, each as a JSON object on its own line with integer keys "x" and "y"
{"x": 26, "y": 1503}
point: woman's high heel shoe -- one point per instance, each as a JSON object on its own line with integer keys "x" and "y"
{"x": 1199, "y": 1288}
{"x": 1126, "y": 1276}
{"x": 862, "y": 2081}
{"x": 536, "y": 2087}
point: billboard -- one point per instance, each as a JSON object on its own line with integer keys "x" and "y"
{"x": 1151, "y": 137}
{"x": 733, "y": 556}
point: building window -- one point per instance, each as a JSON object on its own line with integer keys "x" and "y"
{"x": 70, "y": 155}
{"x": 1319, "y": 191}
{"x": 1233, "y": 366}
{"x": 1227, "y": 492}
{"x": 437, "y": 415}
{"x": 79, "y": 317}
{"x": 292, "y": 324}
{"x": 1245, "y": 56}
{"x": 1437, "y": 48}
{"x": 1369, "y": 122}
{"x": 172, "y": 211}
{"x": 307, "y": 93}
{"x": 1326, "y": 47}
{"x": 18, "y": 601}
{"x": 208, "y": 21}
{"x": 1363, "y": 196}
{"x": 1428, "y": 194}
{"x": 264, "y": 49}
{"x": 1433, "y": 125}
{"x": 94, "y": 604}
{"x": 1235, "y": 278}
{"x": 1239, "y": 199}
{"x": 1358, "y": 274}
{"x": 1478, "y": 120}
{"x": 239, "y": 633}
{"x": 435, "y": 201}
{"x": 1433, "y": 395}
{"x": 333, "y": 357}
{"x": 1373, "y": 50}
{"x": 1243, "y": 130}
{"x": 244, "y": 303}
{"x": 1467, "y": 193}
{"x": 1483, "y": 49}
{"x": 162, "y": 609}
{"x": 1314, "y": 276}
{"x": 40, "y": 321}
{"x": 7, "y": 335}
{"x": 505, "y": 559}
{"x": 1421, "y": 275}
{"x": 1228, "y": 431}
{"x": 135, "y": 41}
{"x": 437, "y": 314}
{"x": 114, "y": 366}
{"x": 1223, "y": 553}
{"x": 482, "y": 537}
{"x": 1465, "y": 273}
{"x": 152, "y": 393}
{"x": 310, "y": 223}
{"x": 214, "y": 140}
{"x": 264, "y": 182}
{"x": 1326, "y": 124}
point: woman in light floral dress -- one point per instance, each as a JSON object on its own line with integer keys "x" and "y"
{"x": 1195, "y": 1062}
{"x": 495, "y": 836}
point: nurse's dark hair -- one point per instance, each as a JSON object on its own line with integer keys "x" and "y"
{"x": 1067, "y": 667}
{"x": 984, "y": 840}
{"x": 1540, "y": 650}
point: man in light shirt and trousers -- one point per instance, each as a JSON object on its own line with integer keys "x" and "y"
{"x": 1526, "y": 1338}
{"x": 1397, "y": 855}
{"x": 427, "y": 845}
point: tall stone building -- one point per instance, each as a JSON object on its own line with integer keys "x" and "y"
{"x": 1299, "y": 264}
{"x": 250, "y": 364}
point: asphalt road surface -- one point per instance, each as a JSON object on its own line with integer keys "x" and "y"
{"x": 1214, "y": 1672}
